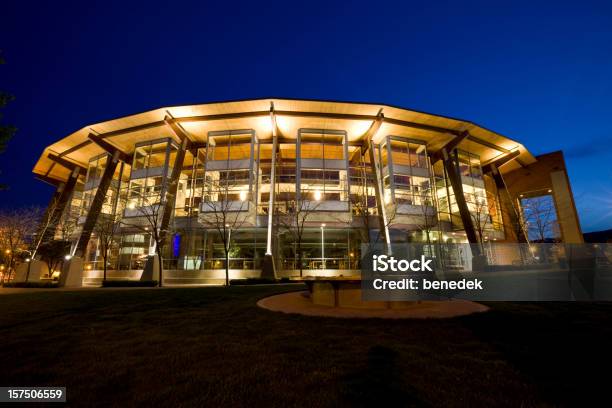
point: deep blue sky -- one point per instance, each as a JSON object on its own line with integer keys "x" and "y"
{"x": 540, "y": 73}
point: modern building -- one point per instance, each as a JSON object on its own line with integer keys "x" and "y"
{"x": 270, "y": 179}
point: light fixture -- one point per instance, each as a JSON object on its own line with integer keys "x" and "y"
{"x": 317, "y": 195}
{"x": 243, "y": 195}
{"x": 88, "y": 267}
{"x": 132, "y": 205}
{"x": 550, "y": 190}
{"x": 28, "y": 260}
{"x": 8, "y": 251}
{"x": 322, "y": 225}
{"x": 68, "y": 257}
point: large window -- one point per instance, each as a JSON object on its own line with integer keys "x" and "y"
{"x": 230, "y": 170}
{"x": 406, "y": 176}
{"x": 151, "y": 166}
{"x": 540, "y": 217}
{"x": 323, "y": 165}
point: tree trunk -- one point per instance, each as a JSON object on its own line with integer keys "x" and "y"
{"x": 226, "y": 268}
{"x": 300, "y": 257}
{"x": 161, "y": 268}
{"x": 104, "y": 260}
{"x": 10, "y": 268}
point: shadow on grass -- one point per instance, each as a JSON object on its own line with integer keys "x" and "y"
{"x": 379, "y": 383}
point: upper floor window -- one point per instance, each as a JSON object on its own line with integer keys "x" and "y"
{"x": 230, "y": 146}
{"x": 469, "y": 164}
{"x": 314, "y": 145}
{"x": 404, "y": 153}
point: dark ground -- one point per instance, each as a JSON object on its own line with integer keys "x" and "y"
{"x": 213, "y": 346}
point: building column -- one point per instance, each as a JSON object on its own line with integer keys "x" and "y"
{"x": 58, "y": 205}
{"x": 454, "y": 177}
{"x": 376, "y": 171}
{"x": 96, "y": 205}
{"x": 510, "y": 215}
{"x": 169, "y": 198}
{"x": 268, "y": 269}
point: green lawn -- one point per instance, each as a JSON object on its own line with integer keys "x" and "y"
{"x": 213, "y": 346}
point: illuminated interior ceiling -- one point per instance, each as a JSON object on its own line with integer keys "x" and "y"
{"x": 290, "y": 115}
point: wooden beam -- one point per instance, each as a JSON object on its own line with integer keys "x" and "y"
{"x": 49, "y": 180}
{"x": 275, "y": 129}
{"x": 372, "y": 131}
{"x": 449, "y": 147}
{"x": 96, "y": 205}
{"x": 59, "y": 205}
{"x": 455, "y": 179}
{"x": 488, "y": 144}
{"x": 109, "y": 148}
{"x": 177, "y": 129}
{"x": 67, "y": 164}
{"x": 494, "y": 164}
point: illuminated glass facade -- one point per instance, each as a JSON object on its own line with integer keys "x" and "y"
{"x": 309, "y": 197}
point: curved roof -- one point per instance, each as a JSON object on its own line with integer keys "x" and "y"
{"x": 291, "y": 115}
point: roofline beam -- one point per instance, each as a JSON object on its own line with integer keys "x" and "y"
{"x": 177, "y": 129}
{"x": 275, "y": 129}
{"x": 109, "y": 148}
{"x": 65, "y": 163}
{"x": 49, "y": 180}
{"x": 276, "y": 113}
{"x": 449, "y": 147}
{"x": 494, "y": 164}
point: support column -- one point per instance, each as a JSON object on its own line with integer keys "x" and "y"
{"x": 170, "y": 192}
{"x": 59, "y": 205}
{"x": 378, "y": 190}
{"x": 96, "y": 205}
{"x": 510, "y": 216}
{"x": 454, "y": 177}
{"x": 268, "y": 268}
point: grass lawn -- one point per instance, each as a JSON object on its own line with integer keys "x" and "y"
{"x": 213, "y": 346}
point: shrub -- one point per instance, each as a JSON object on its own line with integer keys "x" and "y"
{"x": 46, "y": 284}
{"x": 129, "y": 284}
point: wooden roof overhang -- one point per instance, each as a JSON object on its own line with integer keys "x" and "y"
{"x": 286, "y": 116}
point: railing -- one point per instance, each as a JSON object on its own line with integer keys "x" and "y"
{"x": 321, "y": 263}
{"x": 211, "y": 263}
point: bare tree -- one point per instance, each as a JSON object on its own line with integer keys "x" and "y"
{"x": 224, "y": 209}
{"x": 479, "y": 211}
{"x": 540, "y": 217}
{"x": 53, "y": 253}
{"x": 16, "y": 230}
{"x": 105, "y": 230}
{"x": 293, "y": 218}
{"x": 147, "y": 219}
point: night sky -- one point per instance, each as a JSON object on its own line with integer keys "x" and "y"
{"x": 538, "y": 73}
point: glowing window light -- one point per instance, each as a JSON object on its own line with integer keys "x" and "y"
{"x": 243, "y": 195}
{"x": 318, "y": 195}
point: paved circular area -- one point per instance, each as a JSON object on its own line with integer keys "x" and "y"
{"x": 298, "y": 302}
